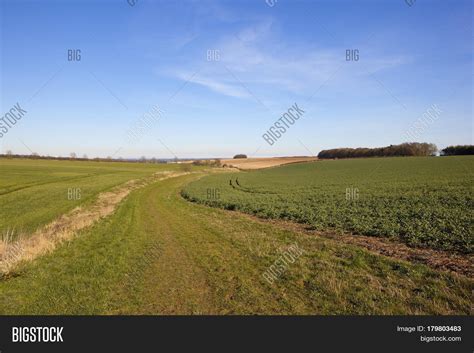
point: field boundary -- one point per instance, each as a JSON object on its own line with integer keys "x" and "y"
{"x": 45, "y": 240}
{"x": 436, "y": 259}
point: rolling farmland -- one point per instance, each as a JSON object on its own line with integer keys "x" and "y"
{"x": 158, "y": 253}
{"x": 34, "y": 192}
{"x": 425, "y": 202}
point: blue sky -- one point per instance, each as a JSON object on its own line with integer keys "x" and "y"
{"x": 156, "y": 54}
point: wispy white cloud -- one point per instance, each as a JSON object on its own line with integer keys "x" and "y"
{"x": 261, "y": 60}
{"x": 216, "y": 85}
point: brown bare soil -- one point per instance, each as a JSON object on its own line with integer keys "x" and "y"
{"x": 259, "y": 163}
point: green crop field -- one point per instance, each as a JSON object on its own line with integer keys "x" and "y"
{"x": 421, "y": 201}
{"x": 34, "y": 192}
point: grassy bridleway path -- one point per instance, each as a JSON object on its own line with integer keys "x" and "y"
{"x": 159, "y": 254}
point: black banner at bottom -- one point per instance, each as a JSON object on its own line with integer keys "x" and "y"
{"x": 236, "y": 333}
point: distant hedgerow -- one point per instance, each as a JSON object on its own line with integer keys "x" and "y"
{"x": 458, "y": 150}
{"x": 404, "y": 149}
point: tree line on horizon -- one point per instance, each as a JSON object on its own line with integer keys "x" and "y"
{"x": 458, "y": 150}
{"x": 404, "y": 149}
{"x": 73, "y": 157}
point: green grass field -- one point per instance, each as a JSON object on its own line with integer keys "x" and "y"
{"x": 420, "y": 201}
{"x": 160, "y": 254}
{"x": 34, "y": 192}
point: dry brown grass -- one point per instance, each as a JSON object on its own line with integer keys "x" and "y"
{"x": 14, "y": 250}
{"x": 259, "y": 163}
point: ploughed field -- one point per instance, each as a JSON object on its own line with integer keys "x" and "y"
{"x": 259, "y": 163}
{"x": 421, "y": 201}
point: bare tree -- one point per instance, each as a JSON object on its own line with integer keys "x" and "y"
{"x": 9, "y": 153}
{"x": 73, "y": 155}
